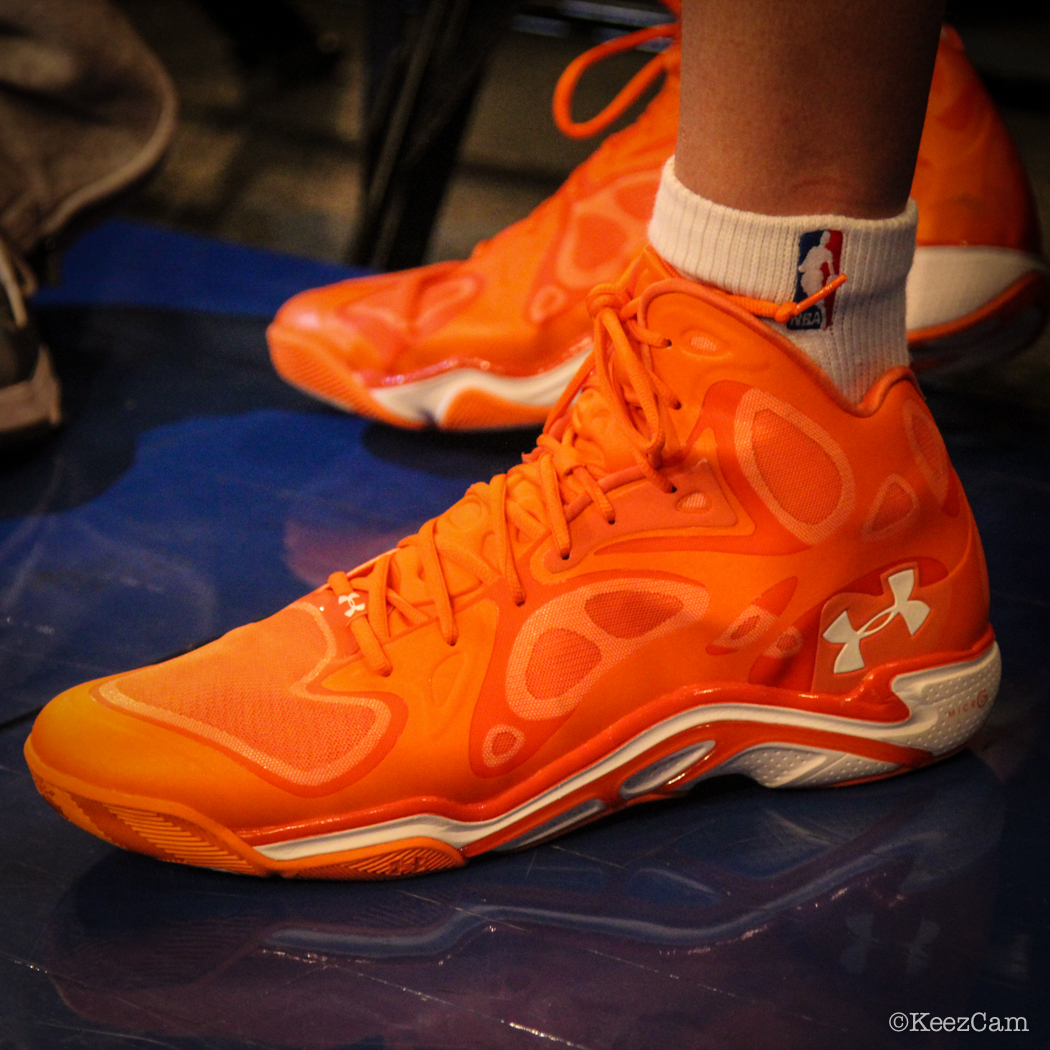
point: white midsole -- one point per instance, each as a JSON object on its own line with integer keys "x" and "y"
{"x": 949, "y": 282}
{"x": 934, "y": 697}
{"x": 36, "y": 400}
{"x": 427, "y": 400}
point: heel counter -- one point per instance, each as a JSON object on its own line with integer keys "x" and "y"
{"x": 971, "y": 592}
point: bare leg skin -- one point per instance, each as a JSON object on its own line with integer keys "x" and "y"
{"x": 795, "y": 107}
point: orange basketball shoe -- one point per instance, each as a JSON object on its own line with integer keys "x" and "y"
{"x": 490, "y": 342}
{"x": 711, "y": 563}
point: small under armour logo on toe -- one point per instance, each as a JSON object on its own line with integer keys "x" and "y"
{"x": 353, "y": 599}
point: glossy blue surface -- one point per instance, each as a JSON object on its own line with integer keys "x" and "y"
{"x": 191, "y": 491}
{"x": 132, "y": 264}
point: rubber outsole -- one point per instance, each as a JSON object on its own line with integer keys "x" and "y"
{"x": 313, "y": 368}
{"x": 775, "y": 746}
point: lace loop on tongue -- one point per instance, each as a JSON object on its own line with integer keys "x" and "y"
{"x": 628, "y": 94}
{"x": 434, "y": 576}
{"x": 612, "y": 310}
{"x": 783, "y": 312}
{"x": 504, "y": 554}
{"x": 555, "y": 506}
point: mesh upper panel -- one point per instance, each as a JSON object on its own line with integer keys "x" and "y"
{"x": 755, "y": 620}
{"x": 567, "y": 644}
{"x": 894, "y": 507}
{"x": 249, "y": 693}
{"x": 930, "y": 445}
{"x": 801, "y": 476}
{"x": 795, "y": 466}
{"x": 502, "y": 742}
{"x": 599, "y": 235}
{"x": 928, "y": 449}
{"x": 745, "y": 626}
{"x": 630, "y": 614}
{"x": 559, "y": 659}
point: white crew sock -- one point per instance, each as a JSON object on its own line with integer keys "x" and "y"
{"x": 787, "y": 258}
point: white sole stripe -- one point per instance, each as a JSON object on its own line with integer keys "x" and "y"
{"x": 428, "y": 400}
{"x": 932, "y": 696}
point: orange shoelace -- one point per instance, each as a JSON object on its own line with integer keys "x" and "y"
{"x": 628, "y": 94}
{"x": 562, "y": 107}
{"x": 620, "y": 369}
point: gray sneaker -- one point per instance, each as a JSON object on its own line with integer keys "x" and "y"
{"x": 86, "y": 113}
{"x": 29, "y": 391}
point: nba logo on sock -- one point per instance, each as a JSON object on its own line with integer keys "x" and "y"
{"x": 819, "y": 254}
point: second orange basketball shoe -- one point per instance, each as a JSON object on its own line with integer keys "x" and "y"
{"x": 490, "y": 342}
{"x": 712, "y": 563}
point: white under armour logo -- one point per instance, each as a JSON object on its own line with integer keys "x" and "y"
{"x": 353, "y": 599}
{"x": 842, "y": 632}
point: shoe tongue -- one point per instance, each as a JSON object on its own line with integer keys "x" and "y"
{"x": 600, "y": 442}
{"x": 464, "y": 524}
{"x": 648, "y": 269}
{"x": 600, "y": 439}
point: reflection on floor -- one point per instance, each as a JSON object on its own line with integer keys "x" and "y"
{"x": 192, "y": 491}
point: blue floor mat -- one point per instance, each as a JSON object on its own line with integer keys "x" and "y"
{"x": 191, "y": 491}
